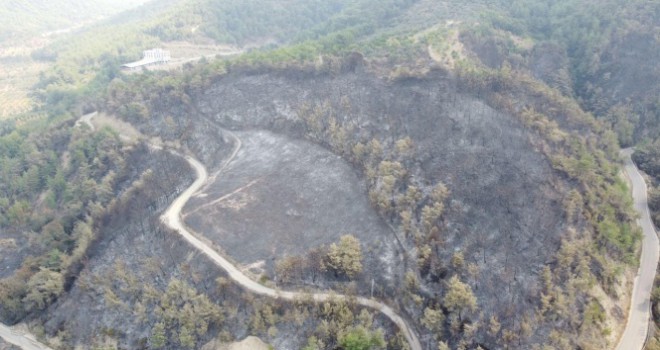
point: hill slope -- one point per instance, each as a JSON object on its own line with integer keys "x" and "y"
{"x": 21, "y": 17}
{"x": 478, "y": 139}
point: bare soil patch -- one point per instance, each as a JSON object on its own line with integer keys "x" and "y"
{"x": 249, "y": 343}
{"x": 281, "y": 196}
{"x": 125, "y": 130}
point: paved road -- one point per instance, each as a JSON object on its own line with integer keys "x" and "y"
{"x": 639, "y": 315}
{"x": 23, "y": 341}
{"x": 172, "y": 218}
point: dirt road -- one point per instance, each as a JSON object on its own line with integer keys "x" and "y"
{"x": 172, "y": 218}
{"x": 87, "y": 120}
{"x": 639, "y": 315}
{"x": 24, "y": 341}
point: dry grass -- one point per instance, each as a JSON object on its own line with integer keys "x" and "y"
{"x": 126, "y": 131}
{"x": 446, "y": 48}
{"x": 615, "y": 308}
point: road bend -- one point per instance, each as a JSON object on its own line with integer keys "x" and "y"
{"x": 172, "y": 218}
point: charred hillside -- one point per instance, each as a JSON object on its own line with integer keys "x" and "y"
{"x": 483, "y": 178}
{"x": 455, "y": 161}
{"x": 143, "y": 286}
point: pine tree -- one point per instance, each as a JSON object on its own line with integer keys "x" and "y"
{"x": 186, "y": 338}
{"x": 459, "y": 297}
{"x": 158, "y": 339}
{"x": 345, "y": 257}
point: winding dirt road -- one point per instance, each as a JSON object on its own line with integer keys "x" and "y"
{"x": 172, "y": 218}
{"x": 639, "y": 315}
{"x": 633, "y": 337}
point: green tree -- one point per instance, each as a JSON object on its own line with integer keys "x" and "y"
{"x": 433, "y": 319}
{"x": 440, "y": 192}
{"x": 494, "y": 326}
{"x": 43, "y": 287}
{"x": 186, "y": 338}
{"x": 430, "y": 214}
{"x": 158, "y": 339}
{"x": 594, "y": 313}
{"x": 345, "y": 257}
{"x": 58, "y": 185}
{"x": 457, "y": 260}
{"x": 359, "y": 338}
{"x": 313, "y": 344}
{"x": 83, "y": 235}
{"x": 19, "y": 213}
{"x": 459, "y": 297}
{"x": 404, "y": 147}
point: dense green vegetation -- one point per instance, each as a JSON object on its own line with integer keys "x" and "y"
{"x": 241, "y": 22}
{"x": 587, "y": 31}
{"x": 647, "y": 159}
{"x": 55, "y": 183}
{"x": 84, "y": 64}
{"x": 254, "y": 21}
{"x": 604, "y": 42}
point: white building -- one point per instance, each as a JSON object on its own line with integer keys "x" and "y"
{"x": 149, "y": 58}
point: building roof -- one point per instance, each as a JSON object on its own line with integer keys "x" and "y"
{"x": 139, "y": 63}
{"x": 149, "y": 57}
